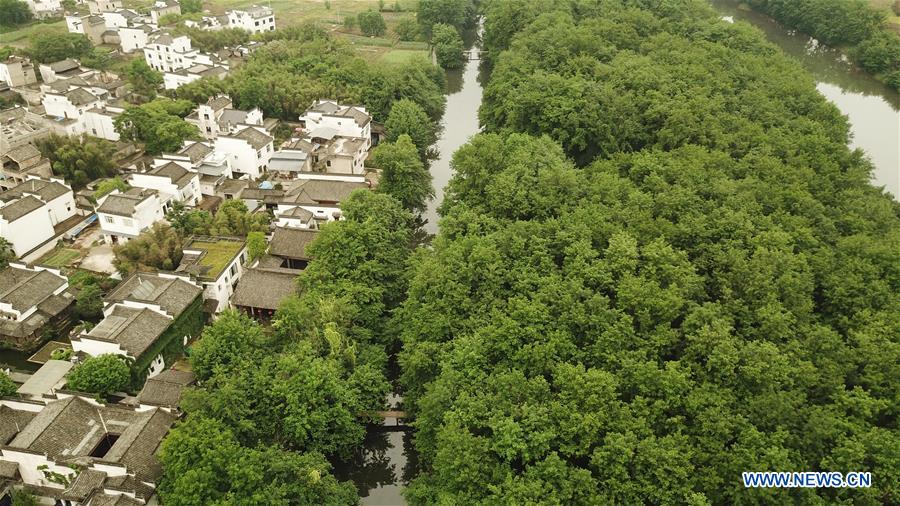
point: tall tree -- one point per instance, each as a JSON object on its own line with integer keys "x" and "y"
{"x": 403, "y": 175}
{"x": 79, "y": 160}
{"x": 142, "y": 79}
{"x": 14, "y": 12}
{"x": 448, "y": 46}
{"x": 156, "y": 248}
{"x": 100, "y": 375}
{"x": 157, "y": 124}
{"x": 48, "y": 46}
{"x": 371, "y": 23}
{"x": 408, "y": 118}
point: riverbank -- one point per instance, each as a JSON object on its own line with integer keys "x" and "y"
{"x": 871, "y": 107}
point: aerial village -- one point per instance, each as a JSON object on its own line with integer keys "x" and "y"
{"x": 70, "y": 447}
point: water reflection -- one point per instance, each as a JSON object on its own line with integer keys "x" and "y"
{"x": 872, "y": 108}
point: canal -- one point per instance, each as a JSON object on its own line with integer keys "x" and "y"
{"x": 872, "y": 108}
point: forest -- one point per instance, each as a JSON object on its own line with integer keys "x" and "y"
{"x": 659, "y": 266}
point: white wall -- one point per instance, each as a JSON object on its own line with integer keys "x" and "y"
{"x": 244, "y": 158}
{"x": 99, "y": 125}
{"x": 29, "y": 231}
{"x": 132, "y": 38}
{"x": 146, "y": 214}
{"x": 243, "y": 19}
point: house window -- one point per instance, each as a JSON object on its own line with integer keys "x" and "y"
{"x": 109, "y": 219}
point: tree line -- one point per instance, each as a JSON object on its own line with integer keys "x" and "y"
{"x": 855, "y": 25}
{"x": 660, "y": 266}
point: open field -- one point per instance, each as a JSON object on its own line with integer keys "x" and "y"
{"x": 892, "y": 17}
{"x": 19, "y": 36}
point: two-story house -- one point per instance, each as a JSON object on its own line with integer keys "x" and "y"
{"x": 16, "y": 71}
{"x": 32, "y": 210}
{"x": 217, "y": 116}
{"x": 254, "y": 19}
{"x": 344, "y": 120}
{"x": 123, "y": 216}
{"x": 32, "y": 299}
{"x": 250, "y": 149}
{"x": 174, "y": 182}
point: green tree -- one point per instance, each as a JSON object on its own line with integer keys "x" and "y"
{"x": 89, "y": 303}
{"x": 189, "y": 6}
{"x": 23, "y": 498}
{"x": 100, "y": 375}
{"x": 457, "y": 13}
{"x": 407, "y": 29}
{"x": 203, "y": 463}
{"x": 234, "y": 219}
{"x": 7, "y": 387}
{"x": 97, "y": 59}
{"x": 7, "y": 254}
{"x": 158, "y": 248}
{"x": 201, "y": 90}
{"x": 408, "y": 118}
{"x": 14, "y": 12}
{"x": 256, "y": 244}
{"x": 79, "y": 160}
{"x": 227, "y": 344}
{"x": 371, "y": 23}
{"x": 142, "y": 79}
{"x": 48, "y": 46}
{"x": 157, "y": 124}
{"x": 189, "y": 221}
{"x": 403, "y": 175}
{"x": 448, "y": 46}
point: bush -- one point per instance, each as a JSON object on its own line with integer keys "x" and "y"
{"x": 371, "y": 23}
{"x": 7, "y": 387}
{"x": 14, "y": 12}
{"x": 89, "y": 303}
{"x": 448, "y": 46}
{"x": 407, "y": 30}
{"x": 101, "y": 375}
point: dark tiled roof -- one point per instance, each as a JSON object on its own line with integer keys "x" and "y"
{"x": 87, "y": 481}
{"x": 80, "y": 96}
{"x": 173, "y": 295}
{"x": 123, "y": 204}
{"x": 24, "y": 289}
{"x": 254, "y": 137}
{"x": 165, "y": 388}
{"x": 264, "y": 288}
{"x": 20, "y": 208}
{"x": 23, "y": 152}
{"x": 290, "y": 242}
{"x": 297, "y": 213}
{"x": 219, "y": 102}
{"x": 310, "y": 191}
{"x": 196, "y": 151}
{"x": 179, "y": 176}
{"x": 12, "y": 421}
{"x": 135, "y": 330}
{"x": 63, "y": 65}
{"x": 137, "y": 446}
{"x": 45, "y": 190}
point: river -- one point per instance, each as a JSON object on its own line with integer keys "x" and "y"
{"x": 872, "y": 108}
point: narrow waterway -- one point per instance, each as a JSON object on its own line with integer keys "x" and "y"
{"x": 872, "y": 108}
{"x": 460, "y": 122}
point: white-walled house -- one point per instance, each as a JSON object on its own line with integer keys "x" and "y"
{"x": 101, "y": 6}
{"x": 17, "y": 71}
{"x": 78, "y": 111}
{"x": 177, "y": 78}
{"x": 173, "y": 181}
{"x": 31, "y": 210}
{"x": 123, "y": 216}
{"x": 44, "y": 8}
{"x": 133, "y": 38}
{"x": 163, "y": 7}
{"x": 217, "y": 263}
{"x": 166, "y": 53}
{"x": 254, "y": 19}
{"x": 217, "y": 116}
{"x": 342, "y": 120}
{"x": 249, "y": 149}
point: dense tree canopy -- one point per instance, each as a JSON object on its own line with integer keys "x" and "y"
{"x": 288, "y": 74}
{"x": 701, "y": 292}
{"x": 47, "y": 46}
{"x": 231, "y": 219}
{"x": 408, "y": 118}
{"x": 457, "y": 13}
{"x": 79, "y": 160}
{"x": 14, "y": 12}
{"x": 143, "y": 79}
{"x": 7, "y": 386}
{"x": 100, "y": 375}
{"x": 157, "y": 124}
{"x": 448, "y": 46}
{"x": 371, "y": 23}
{"x": 403, "y": 175}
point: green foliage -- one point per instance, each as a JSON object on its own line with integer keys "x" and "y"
{"x": 189, "y": 6}
{"x": 256, "y": 244}
{"x": 201, "y": 90}
{"x": 304, "y": 64}
{"x": 233, "y": 219}
{"x": 7, "y": 254}
{"x": 403, "y": 175}
{"x": 407, "y": 30}
{"x": 89, "y": 303}
{"x": 371, "y": 23}
{"x": 48, "y": 47}
{"x": 97, "y": 59}
{"x": 854, "y": 24}
{"x": 204, "y": 463}
{"x": 407, "y": 118}
{"x": 100, "y": 375}
{"x": 142, "y": 79}
{"x": 213, "y": 40}
{"x": 157, "y": 124}
{"x": 108, "y": 185}
{"x": 61, "y": 354}
{"x": 457, "y": 13}
{"x": 448, "y": 46}
{"x": 23, "y": 498}
{"x": 14, "y": 12}
{"x": 228, "y": 344}
{"x": 700, "y": 290}
{"x": 158, "y": 248}
{"x": 349, "y": 22}
{"x": 7, "y": 386}
{"x": 79, "y": 160}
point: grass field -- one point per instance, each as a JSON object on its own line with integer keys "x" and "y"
{"x": 60, "y": 257}
{"x": 19, "y": 36}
